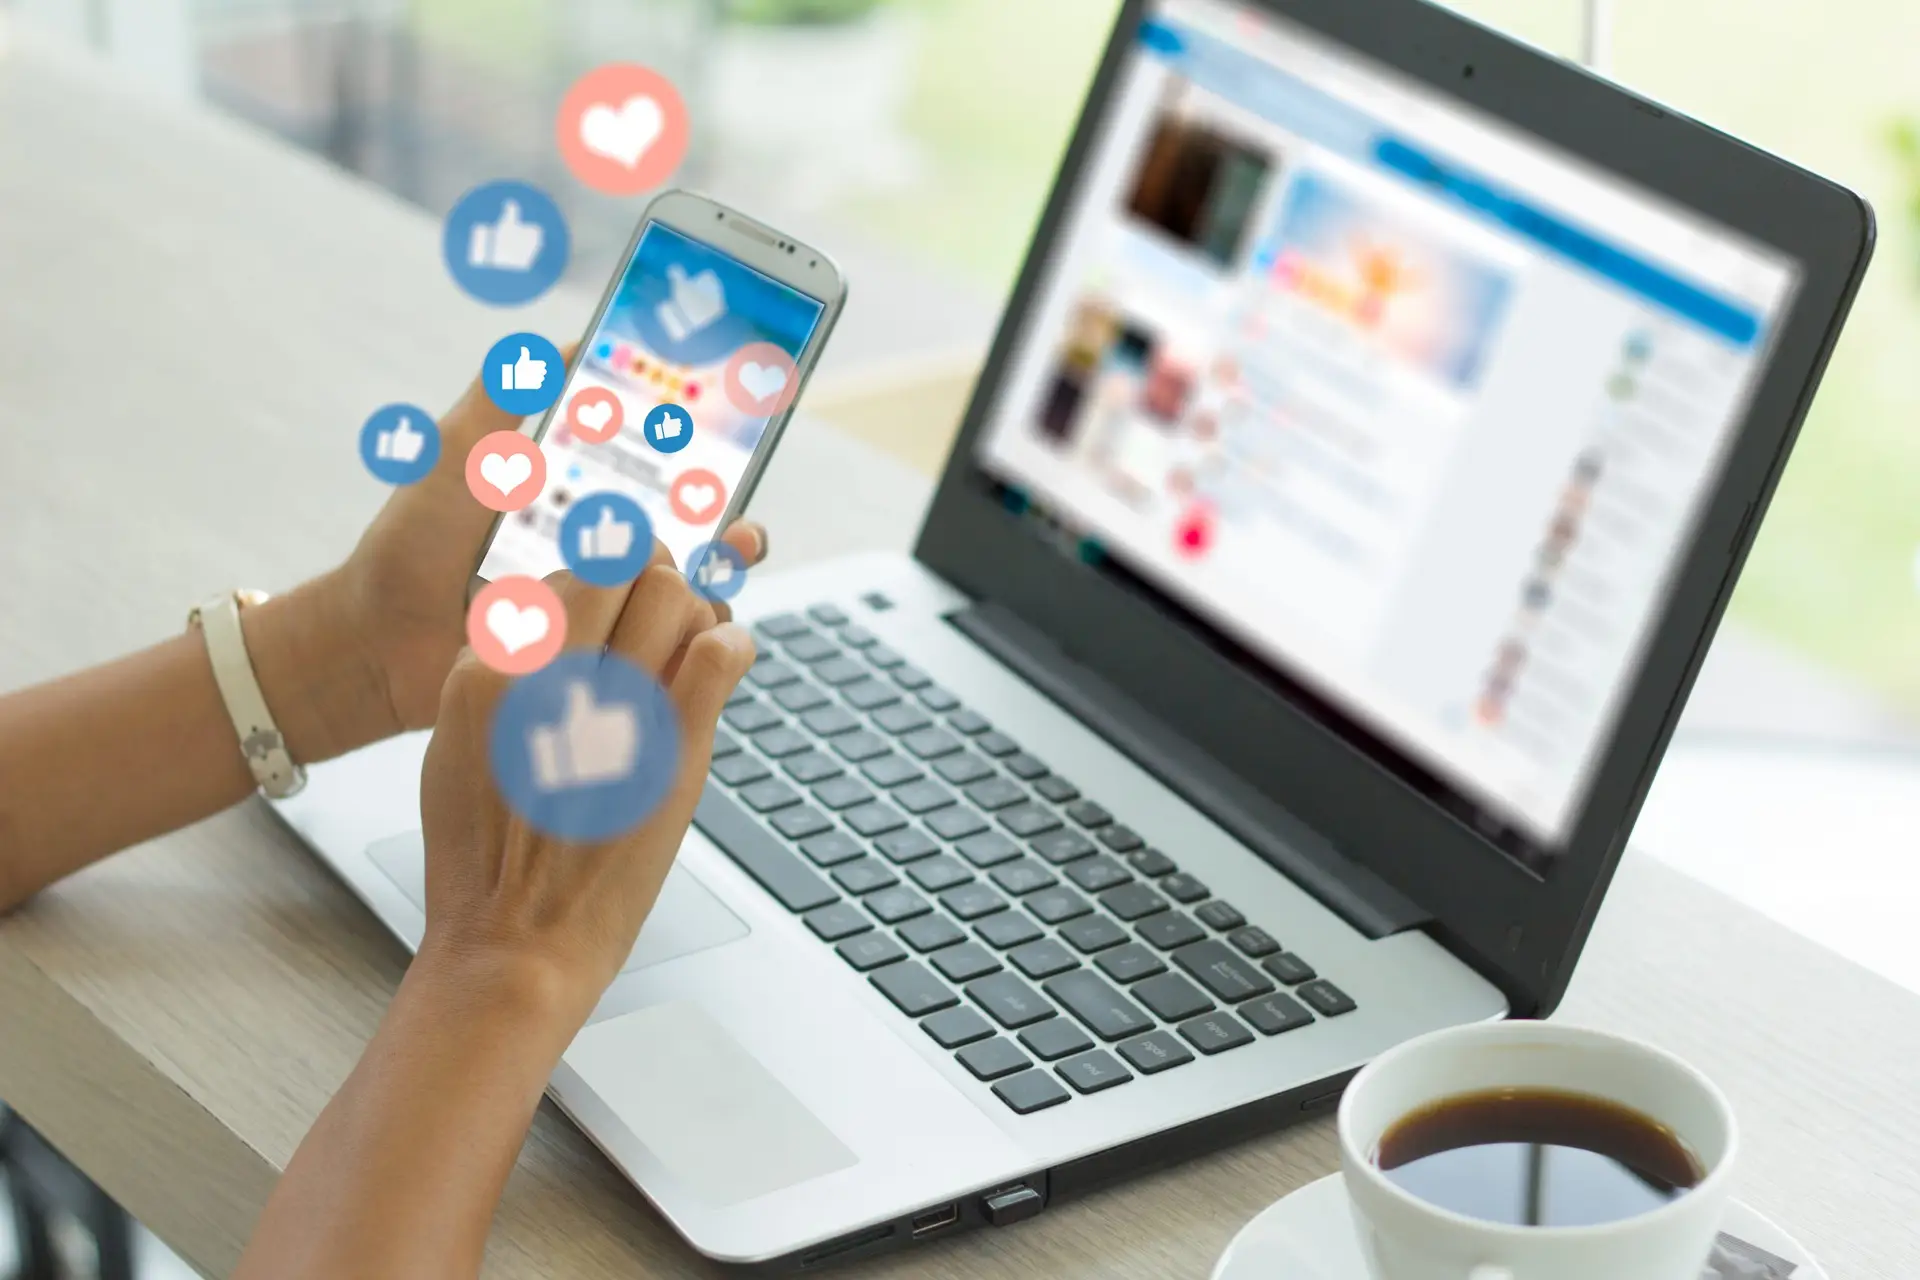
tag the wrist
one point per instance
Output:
(324, 694)
(535, 995)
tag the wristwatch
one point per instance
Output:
(260, 741)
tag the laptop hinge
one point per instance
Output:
(1350, 890)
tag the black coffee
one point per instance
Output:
(1537, 1157)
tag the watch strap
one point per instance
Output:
(260, 741)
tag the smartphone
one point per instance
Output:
(707, 332)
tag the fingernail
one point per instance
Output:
(734, 636)
(760, 540)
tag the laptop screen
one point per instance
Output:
(1408, 406)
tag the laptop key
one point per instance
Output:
(874, 819)
(781, 625)
(864, 876)
(1093, 933)
(1020, 877)
(869, 695)
(1057, 789)
(801, 821)
(831, 849)
(969, 722)
(855, 636)
(965, 962)
(972, 901)
(755, 851)
(911, 677)
(991, 1059)
(906, 844)
(956, 822)
(1222, 916)
(1152, 863)
(890, 770)
(837, 920)
(1170, 929)
(840, 672)
(1042, 959)
(1213, 1032)
(751, 717)
(1092, 1072)
(781, 741)
(1133, 901)
(810, 767)
(938, 873)
(1098, 1003)
(1097, 874)
(1230, 978)
(724, 744)
(864, 745)
(842, 793)
(996, 793)
(901, 718)
(913, 990)
(891, 906)
(1254, 941)
(868, 951)
(1063, 845)
(1027, 820)
(996, 743)
(922, 797)
(1008, 1000)
(765, 797)
(1171, 997)
(954, 1027)
(1004, 929)
(1182, 887)
(1270, 1015)
(1055, 1038)
(1025, 766)
(827, 615)
(1030, 1091)
(934, 698)
(962, 768)
(1057, 904)
(929, 932)
(1088, 814)
(811, 646)
(739, 695)
(883, 657)
(739, 770)
(1155, 1051)
(1119, 839)
(1130, 963)
(1327, 1000)
(824, 722)
(1289, 968)
(771, 673)
(931, 744)
(988, 849)
(799, 696)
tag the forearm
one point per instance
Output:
(400, 1174)
(120, 753)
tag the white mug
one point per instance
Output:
(1406, 1238)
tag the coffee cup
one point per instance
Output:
(1488, 1152)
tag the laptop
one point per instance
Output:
(1358, 474)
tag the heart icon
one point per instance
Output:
(698, 498)
(506, 473)
(622, 135)
(516, 628)
(763, 381)
(595, 416)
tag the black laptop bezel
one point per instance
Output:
(1521, 928)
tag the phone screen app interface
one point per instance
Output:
(683, 318)
(1407, 403)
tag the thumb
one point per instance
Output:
(526, 354)
(676, 273)
(606, 516)
(510, 213)
(580, 706)
(405, 428)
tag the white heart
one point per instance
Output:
(623, 135)
(697, 497)
(516, 628)
(506, 472)
(594, 416)
(763, 381)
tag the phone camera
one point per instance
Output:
(1466, 72)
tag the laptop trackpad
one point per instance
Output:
(686, 917)
(702, 1105)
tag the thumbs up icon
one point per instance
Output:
(507, 245)
(400, 444)
(693, 302)
(593, 743)
(524, 374)
(607, 539)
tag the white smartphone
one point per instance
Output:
(709, 329)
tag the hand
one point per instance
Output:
(512, 898)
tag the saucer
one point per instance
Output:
(1309, 1235)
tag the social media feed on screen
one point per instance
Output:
(695, 354)
(1410, 406)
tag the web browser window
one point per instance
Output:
(1403, 401)
(680, 315)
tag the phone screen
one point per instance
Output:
(696, 330)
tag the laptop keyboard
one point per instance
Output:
(1025, 926)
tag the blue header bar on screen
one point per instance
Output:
(1298, 107)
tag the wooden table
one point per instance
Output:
(193, 323)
